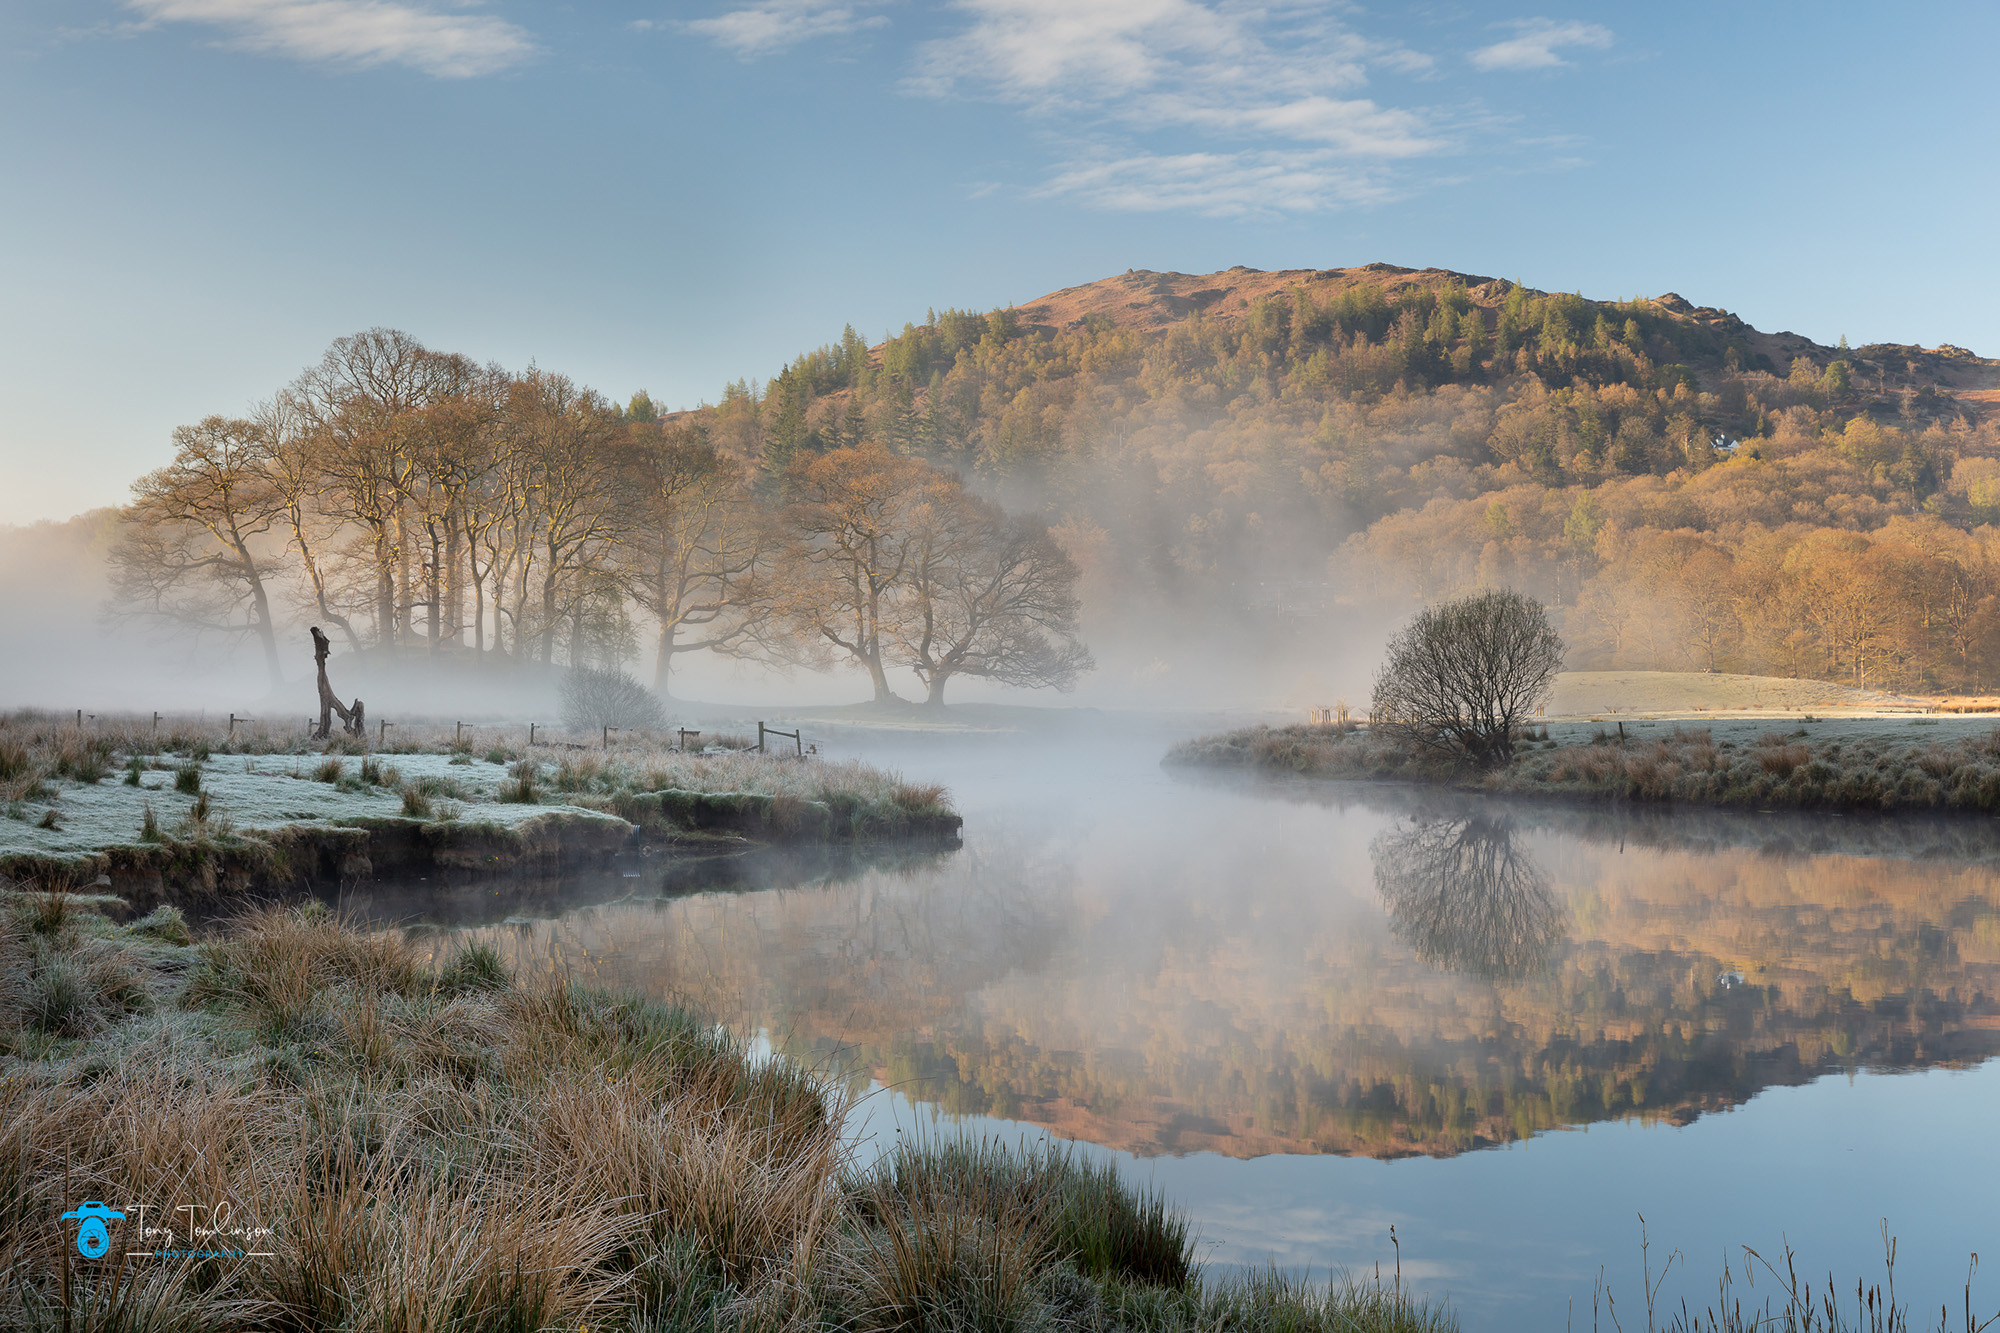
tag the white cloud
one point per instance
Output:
(355, 32)
(1535, 42)
(1279, 85)
(1215, 184)
(772, 25)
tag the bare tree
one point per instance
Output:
(1465, 674)
(187, 553)
(293, 465)
(989, 596)
(697, 554)
(851, 520)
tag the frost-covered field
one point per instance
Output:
(69, 789)
(257, 791)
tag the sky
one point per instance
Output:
(197, 196)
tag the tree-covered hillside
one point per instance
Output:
(1245, 448)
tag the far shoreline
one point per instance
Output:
(1885, 766)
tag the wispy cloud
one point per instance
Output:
(1280, 86)
(1535, 43)
(773, 25)
(1215, 184)
(355, 33)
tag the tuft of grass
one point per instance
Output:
(330, 769)
(476, 968)
(135, 770)
(416, 804)
(48, 820)
(921, 797)
(149, 825)
(164, 922)
(14, 761)
(187, 778)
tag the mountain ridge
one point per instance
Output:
(1147, 301)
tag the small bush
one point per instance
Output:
(592, 700)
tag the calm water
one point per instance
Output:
(1312, 1012)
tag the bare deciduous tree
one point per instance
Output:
(1465, 674)
(188, 553)
(697, 555)
(990, 596)
(851, 518)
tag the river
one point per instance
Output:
(1310, 1012)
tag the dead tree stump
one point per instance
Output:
(353, 720)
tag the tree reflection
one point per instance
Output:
(1466, 899)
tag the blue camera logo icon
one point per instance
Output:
(92, 1238)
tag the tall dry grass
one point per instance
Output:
(447, 1148)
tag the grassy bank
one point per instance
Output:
(192, 807)
(395, 1146)
(1843, 767)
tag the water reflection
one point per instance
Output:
(1466, 898)
(1193, 969)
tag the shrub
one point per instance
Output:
(1461, 679)
(593, 699)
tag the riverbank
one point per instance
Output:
(349, 1137)
(1846, 764)
(199, 814)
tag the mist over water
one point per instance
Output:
(1311, 1012)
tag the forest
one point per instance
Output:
(1269, 459)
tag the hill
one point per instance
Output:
(1260, 473)
(1145, 301)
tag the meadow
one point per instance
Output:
(74, 793)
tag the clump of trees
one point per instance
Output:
(1463, 677)
(423, 506)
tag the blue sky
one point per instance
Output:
(200, 194)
